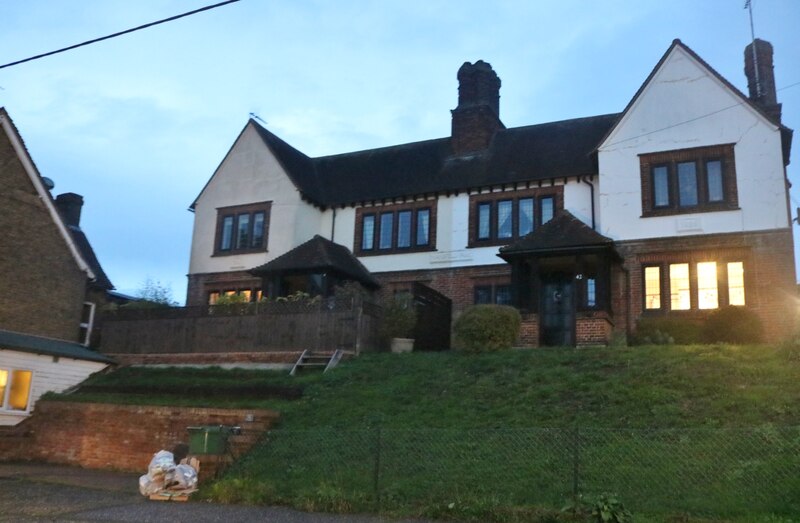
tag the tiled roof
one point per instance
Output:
(565, 232)
(49, 347)
(320, 254)
(82, 242)
(522, 154)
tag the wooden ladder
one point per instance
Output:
(310, 359)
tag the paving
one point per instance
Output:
(41, 492)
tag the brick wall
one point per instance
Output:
(593, 329)
(201, 284)
(43, 288)
(118, 437)
(768, 257)
(529, 331)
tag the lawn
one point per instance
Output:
(710, 431)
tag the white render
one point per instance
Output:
(49, 374)
(685, 106)
(250, 173)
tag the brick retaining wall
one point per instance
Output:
(121, 437)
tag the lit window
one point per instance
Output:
(213, 297)
(652, 287)
(15, 389)
(707, 293)
(736, 283)
(679, 288)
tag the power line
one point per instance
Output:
(692, 119)
(145, 26)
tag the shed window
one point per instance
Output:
(15, 389)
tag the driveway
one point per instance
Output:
(40, 492)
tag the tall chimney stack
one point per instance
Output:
(761, 77)
(477, 116)
(70, 205)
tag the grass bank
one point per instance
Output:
(703, 430)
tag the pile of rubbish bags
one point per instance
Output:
(165, 476)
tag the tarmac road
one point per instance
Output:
(39, 492)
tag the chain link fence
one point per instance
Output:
(716, 472)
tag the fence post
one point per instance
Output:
(376, 476)
(576, 462)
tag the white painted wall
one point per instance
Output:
(686, 106)
(48, 375)
(251, 174)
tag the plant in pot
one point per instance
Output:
(397, 327)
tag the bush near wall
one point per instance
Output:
(733, 325)
(661, 330)
(484, 328)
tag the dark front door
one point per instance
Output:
(557, 313)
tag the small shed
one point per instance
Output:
(32, 365)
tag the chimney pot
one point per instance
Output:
(70, 205)
(477, 117)
(760, 75)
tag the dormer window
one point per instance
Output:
(242, 229)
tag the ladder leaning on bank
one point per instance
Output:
(310, 360)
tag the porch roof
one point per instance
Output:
(563, 234)
(317, 255)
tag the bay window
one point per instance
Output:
(693, 285)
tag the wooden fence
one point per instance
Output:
(348, 324)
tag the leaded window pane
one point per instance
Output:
(243, 231)
(502, 295)
(548, 208)
(661, 186)
(687, 184)
(368, 232)
(714, 181)
(525, 216)
(226, 242)
(679, 287)
(404, 229)
(736, 283)
(387, 222)
(707, 292)
(652, 287)
(505, 219)
(423, 226)
(484, 224)
(258, 230)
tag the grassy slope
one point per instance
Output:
(640, 387)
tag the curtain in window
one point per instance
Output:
(736, 283)
(504, 219)
(525, 216)
(548, 209)
(687, 184)
(404, 229)
(707, 293)
(714, 181)
(387, 221)
(423, 226)
(679, 287)
(368, 233)
(484, 212)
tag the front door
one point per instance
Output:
(557, 313)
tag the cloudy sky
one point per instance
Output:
(137, 124)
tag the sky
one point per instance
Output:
(138, 124)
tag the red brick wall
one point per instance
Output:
(593, 329)
(770, 285)
(118, 437)
(43, 288)
(529, 331)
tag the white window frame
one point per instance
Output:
(4, 400)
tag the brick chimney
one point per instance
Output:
(69, 205)
(761, 80)
(477, 116)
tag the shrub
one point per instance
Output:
(399, 319)
(665, 330)
(483, 328)
(733, 325)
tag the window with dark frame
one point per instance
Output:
(242, 229)
(701, 179)
(501, 218)
(405, 228)
(499, 294)
(696, 285)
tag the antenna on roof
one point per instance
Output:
(748, 4)
(254, 115)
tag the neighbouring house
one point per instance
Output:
(52, 283)
(676, 206)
